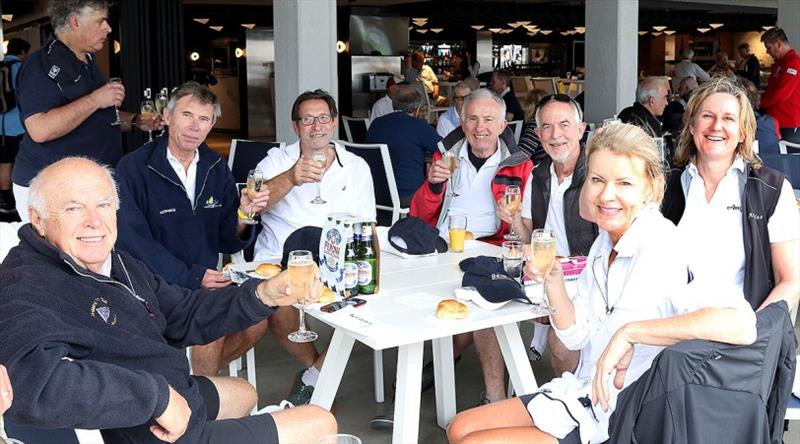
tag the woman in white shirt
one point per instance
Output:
(636, 276)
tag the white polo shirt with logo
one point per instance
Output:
(346, 186)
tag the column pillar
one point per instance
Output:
(789, 20)
(303, 60)
(611, 57)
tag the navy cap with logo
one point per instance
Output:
(411, 235)
(305, 238)
(487, 275)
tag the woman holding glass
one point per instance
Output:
(737, 216)
(635, 276)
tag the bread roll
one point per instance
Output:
(451, 309)
(268, 270)
(469, 236)
(227, 268)
(326, 296)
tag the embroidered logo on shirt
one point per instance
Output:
(755, 216)
(791, 71)
(733, 207)
(167, 210)
(212, 203)
(100, 308)
(54, 70)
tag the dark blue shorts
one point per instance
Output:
(573, 437)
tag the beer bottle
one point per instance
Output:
(367, 270)
(350, 264)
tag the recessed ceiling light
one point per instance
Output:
(248, 25)
(765, 28)
(546, 31)
(642, 32)
(669, 32)
(495, 30)
(514, 25)
(8, 17)
(477, 27)
(202, 21)
(422, 31)
(216, 28)
(657, 33)
(704, 30)
(716, 25)
(437, 30)
(659, 28)
(580, 29)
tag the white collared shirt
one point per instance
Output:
(188, 177)
(346, 186)
(381, 107)
(475, 198)
(555, 209)
(505, 91)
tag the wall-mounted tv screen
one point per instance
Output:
(371, 35)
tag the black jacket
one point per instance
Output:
(761, 193)
(638, 115)
(710, 392)
(580, 232)
(87, 351)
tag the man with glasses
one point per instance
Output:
(294, 178)
(451, 119)
(551, 201)
(409, 139)
(652, 95)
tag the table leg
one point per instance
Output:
(377, 377)
(444, 379)
(516, 358)
(332, 369)
(407, 397)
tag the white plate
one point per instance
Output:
(242, 272)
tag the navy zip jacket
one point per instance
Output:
(158, 224)
(87, 351)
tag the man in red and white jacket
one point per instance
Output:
(486, 166)
(783, 90)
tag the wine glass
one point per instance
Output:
(543, 248)
(255, 179)
(319, 156)
(512, 258)
(452, 164)
(301, 278)
(147, 113)
(116, 109)
(162, 99)
(512, 199)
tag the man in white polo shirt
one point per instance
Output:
(345, 181)
(295, 179)
(486, 167)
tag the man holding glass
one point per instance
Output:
(93, 339)
(485, 167)
(551, 200)
(65, 101)
(308, 180)
(180, 209)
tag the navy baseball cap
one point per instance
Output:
(305, 238)
(487, 276)
(411, 235)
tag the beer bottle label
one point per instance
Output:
(364, 273)
(351, 275)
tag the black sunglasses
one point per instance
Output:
(563, 98)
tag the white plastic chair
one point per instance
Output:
(355, 128)
(786, 147)
(516, 127)
(377, 157)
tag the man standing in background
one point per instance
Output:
(783, 90)
(11, 129)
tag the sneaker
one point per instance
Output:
(484, 400)
(301, 393)
(385, 421)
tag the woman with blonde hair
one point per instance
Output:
(737, 217)
(632, 292)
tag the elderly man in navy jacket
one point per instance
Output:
(180, 209)
(93, 339)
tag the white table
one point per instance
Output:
(402, 315)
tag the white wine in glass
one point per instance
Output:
(301, 279)
(319, 156)
(512, 200)
(543, 249)
(255, 180)
(452, 165)
(147, 113)
(116, 109)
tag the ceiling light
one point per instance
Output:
(530, 28)
(565, 33)
(495, 30)
(657, 33)
(659, 28)
(420, 21)
(533, 33)
(248, 25)
(514, 25)
(545, 31)
(422, 31)
(580, 29)
(704, 30)
(716, 25)
(410, 28)
(8, 17)
(669, 32)
(477, 27)
(239, 52)
(194, 56)
(117, 47)
(202, 21)
(642, 32)
(524, 22)
(507, 31)
(437, 30)
(765, 28)
(216, 28)
(341, 46)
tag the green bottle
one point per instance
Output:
(350, 265)
(367, 262)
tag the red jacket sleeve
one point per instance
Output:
(426, 204)
(783, 87)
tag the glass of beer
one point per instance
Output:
(319, 156)
(512, 259)
(301, 279)
(543, 249)
(255, 180)
(512, 200)
(451, 160)
(458, 231)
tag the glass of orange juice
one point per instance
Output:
(458, 230)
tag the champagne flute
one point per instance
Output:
(543, 248)
(147, 113)
(116, 109)
(512, 199)
(452, 164)
(162, 99)
(319, 156)
(301, 279)
(255, 179)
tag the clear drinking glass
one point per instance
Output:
(301, 279)
(512, 259)
(147, 113)
(457, 225)
(162, 99)
(543, 249)
(452, 164)
(512, 200)
(255, 179)
(319, 156)
(116, 109)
